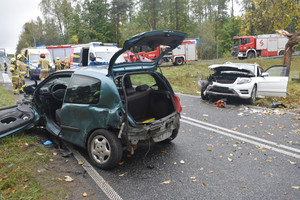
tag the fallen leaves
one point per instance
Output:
(203, 185)
(182, 162)
(295, 187)
(208, 149)
(166, 182)
(293, 163)
(80, 162)
(230, 160)
(84, 194)
(68, 179)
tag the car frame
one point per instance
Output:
(104, 109)
(245, 81)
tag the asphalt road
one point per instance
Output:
(237, 152)
(232, 153)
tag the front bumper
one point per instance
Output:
(242, 55)
(242, 91)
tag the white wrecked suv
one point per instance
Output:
(104, 109)
(245, 81)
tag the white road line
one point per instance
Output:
(6, 78)
(101, 183)
(243, 139)
(243, 135)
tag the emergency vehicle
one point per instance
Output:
(32, 57)
(61, 51)
(92, 54)
(185, 52)
(260, 45)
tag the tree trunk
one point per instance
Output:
(290, 45)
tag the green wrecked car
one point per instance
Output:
(104, 109)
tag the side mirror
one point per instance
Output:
(264, 74)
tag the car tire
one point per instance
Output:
(252, 99)
(30, 76)
(174, 132)
(172, 137)
(104, 149)
(251, 55)
(179, 61)
(203, 88)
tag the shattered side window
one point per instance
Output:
(83, 90)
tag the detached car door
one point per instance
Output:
(16, 118)
(273, 82)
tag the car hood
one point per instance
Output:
(151, 39)
(234, 68)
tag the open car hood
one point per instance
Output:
(234, 68)
(152, 40)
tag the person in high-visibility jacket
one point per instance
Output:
(44, 64)
(22, 67)
(58, 64)
(15, 76)
(67, 63)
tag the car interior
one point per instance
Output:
(146, 100)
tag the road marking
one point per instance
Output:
(243, 137)
(6, 78)
(101, 183)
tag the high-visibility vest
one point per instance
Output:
(44, 64)
(15, 72)
(22, 67)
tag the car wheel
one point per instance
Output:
(281, 53)
(173, 136)
(251, 55)
(252, 99)
(179, 61)
(104, 149)
(203, 88)
(30, 76)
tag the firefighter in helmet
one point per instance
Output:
(22, 67)
(15, 76)
(67, 63)
(58, 64)
(44, 64)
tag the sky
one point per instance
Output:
(13, 15)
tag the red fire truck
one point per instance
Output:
(260, 45)
(185, 52)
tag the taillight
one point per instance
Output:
(177, 103)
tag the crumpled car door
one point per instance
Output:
(16, 118)
(273, 81)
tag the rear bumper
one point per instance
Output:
(158, 131)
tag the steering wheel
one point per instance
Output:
(58, 91)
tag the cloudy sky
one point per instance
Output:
(13, 15)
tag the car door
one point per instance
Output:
(77, 113)
(273, 81)
(17, 118)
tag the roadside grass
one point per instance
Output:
(184, 79)
(20, 159)
(6, 98)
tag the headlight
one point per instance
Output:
(244, 80)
